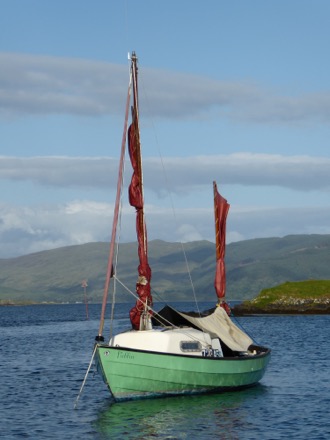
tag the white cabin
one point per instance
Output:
(187, 341)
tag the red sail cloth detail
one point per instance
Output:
(220, 279)
(134, 192)
(136, 200)
(226, 308)
(221, 207)
(142, 288)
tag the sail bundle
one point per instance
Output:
(221, 208)
(135, 193)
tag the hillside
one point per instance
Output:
(311, 296)
(252, 265)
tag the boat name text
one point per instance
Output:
(124, 355)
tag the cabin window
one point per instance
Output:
(190, 346)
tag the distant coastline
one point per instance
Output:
(6, 303)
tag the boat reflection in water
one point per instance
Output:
(205, 416)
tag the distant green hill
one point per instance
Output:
(312, 296)
(252, 265)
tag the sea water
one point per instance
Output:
(45, 351)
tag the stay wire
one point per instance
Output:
(118, 229)
(171, 200)
(163, 319)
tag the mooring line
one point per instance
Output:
(85, 378)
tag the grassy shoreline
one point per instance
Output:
(300, 297)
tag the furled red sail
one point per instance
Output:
(221, 208)
(136, 200)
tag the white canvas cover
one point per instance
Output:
(219, 325)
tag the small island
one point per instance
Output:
(301, 297)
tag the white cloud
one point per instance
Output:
(31, 84)
(184, 175)
(60, 171)
(39, 85)
(30, 229)
(188, 232)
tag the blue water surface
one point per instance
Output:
(45, 351)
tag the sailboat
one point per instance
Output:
(171, 352)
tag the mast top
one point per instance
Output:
(134, 58)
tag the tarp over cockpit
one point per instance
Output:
(216, 322)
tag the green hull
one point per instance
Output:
(132, 374)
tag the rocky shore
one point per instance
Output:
(294, 307)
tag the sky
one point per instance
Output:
(237, 92)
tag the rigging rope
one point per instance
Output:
(171, 199)
(163, 318)
(116, 213)
(85, 378)
(115, 269)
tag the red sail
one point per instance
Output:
(135, 188)
(221, 208)
(136, 200)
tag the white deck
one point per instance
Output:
(186, 341)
